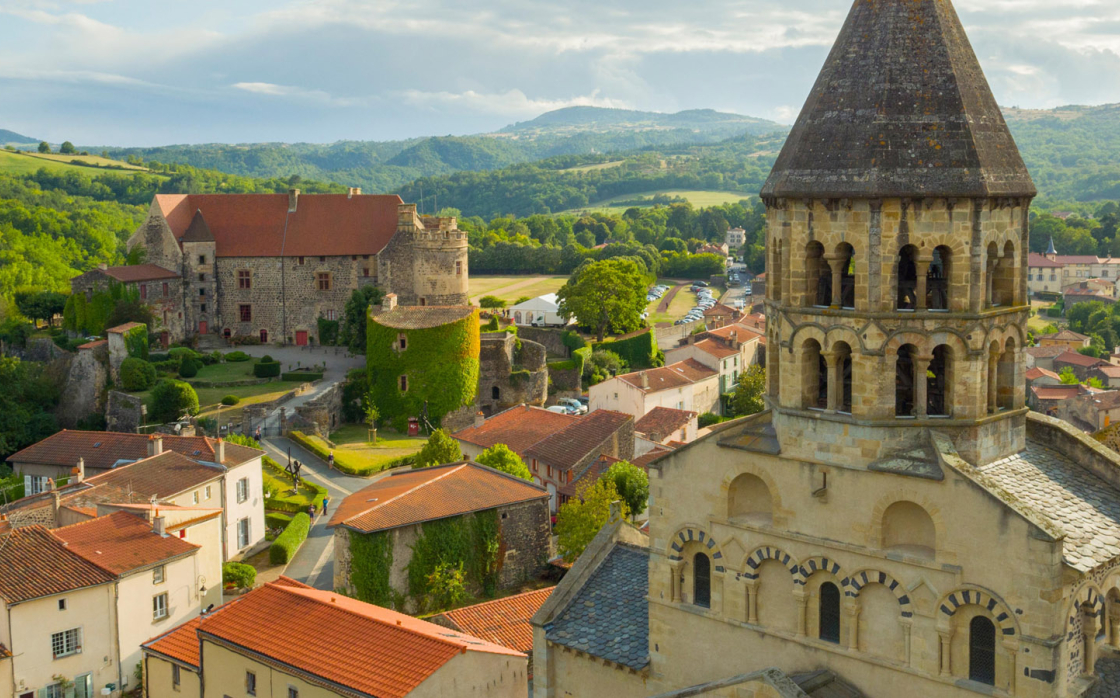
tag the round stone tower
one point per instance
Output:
(896, 249)
(426, 261)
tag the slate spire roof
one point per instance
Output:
(901, 108)
(198, 231)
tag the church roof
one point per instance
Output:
(198, 231)
(901, 108)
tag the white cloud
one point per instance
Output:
(512, 103)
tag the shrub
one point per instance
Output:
(239, 574)
(492, 326)
(137, 374)
(237, 356)
(168, 366)
(267, 359)
(286, 545)
(230, 400)
(302, 376)
(214, 357)
(172, 399)
(154, 358)
(181, 353)
(275, 519)
(188, 368)
(639, 351)
(491, 302)
(708, 419)
(266, 369)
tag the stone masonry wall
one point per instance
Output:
(124, 413)
(84, 386)
(164, 297)
(426, 261)
(552, 340)
(526, 534)
(510, 377)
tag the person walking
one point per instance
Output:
(258, 436)
(325, 500)
(330, 460)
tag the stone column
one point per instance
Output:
(802, 604)
(716, 592)
(946, 651)
(1089, 637)
(923, 271)
(1013, 663)
(1114, 624)
(993, 382)
(907, 626)
(752, 601)
(675, 581)
(852, 611)
(830, 359)
(921, 385)
(836, 263)
(988, 278)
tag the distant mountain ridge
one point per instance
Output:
(596, 118)
(13, 137)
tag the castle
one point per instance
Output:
(269, 266)
(896, 523)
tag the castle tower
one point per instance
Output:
(896, 249)
(200, 277)
(426, 261)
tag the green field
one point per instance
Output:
(209, 399)
(600, 166)
(351, 444)
(684, 301)
(510, 288)
(698, 199)
(26, 163)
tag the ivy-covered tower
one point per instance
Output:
(897, 248)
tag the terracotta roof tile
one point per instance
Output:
(573, 443)
(122, 542)
(94, 343)
(715, 348)
(259, 225)
(427, 494)
(1036, 373)
(1036, 260)
(588, 476)
(672, 376)
(518, 427)
(1055, 392)
(121, 329)
(648, 457)
(1076, 359)
(1046, 352)
(663, 421)
(368, 649)
(103, 450)
(1077, 259)
(736, 330)
(721, 310)
(139, 272)
(504, 622)
(1108, 370)
(35, 563)
(1064, 335)
(419, 317)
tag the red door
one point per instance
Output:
(301, 338)
(164, 339)
(264, 336)
(202, 327)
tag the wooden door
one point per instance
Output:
(301, 338)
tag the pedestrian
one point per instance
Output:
(325, 500)
(311, 510)
(330, 460)
(258, 434)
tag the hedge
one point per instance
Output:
(573, 340)
(230, 400)
(237, 356)
(342, 463)
(181, 353)
(301, 376)
(266, 369)
(276, 519)
(137, 374)
(639, 351)
(293, 504)
(287, 544)
(239, 574)
(189, 368)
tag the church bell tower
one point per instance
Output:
(897, 250)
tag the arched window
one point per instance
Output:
(1003, 278)
(1005, 377)
(939, 382)
(701, 580)
(495, 393)
(908, 528)
(818, 276)
(847, 256)
(843, 354)
(907, 278)
(829, 612)
(814, 376)
(904, 381)
(937, 279)
(982, 650)
(517, 316)
(749, 500)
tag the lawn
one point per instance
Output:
(229, 371)
(684, 301)
(698, 198)
(510, 288)
(350, 445)
(209, 399)
(23, 163)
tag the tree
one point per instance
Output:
(632, 485)
(747, 398)
(439, 449)
(42, 305)
(1095, 383)
(581, 519)
(26, 400)
(67, 148)
(137, 374)
(1068, 377)
(131, 310)
(605, 295)
(500, 457)
(171, 399)
(491, 302)
(352, 329)
(44, 147)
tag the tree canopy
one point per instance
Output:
(580, 519)
(439, 450)
(632, 485)
(607, 295)
(749, 392)
(500, 457)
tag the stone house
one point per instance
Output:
(720, 315)
(558, 459)
(1108, 374)
(1080, 364)
(1043, 357)
(1047, 398)
(519, 428)
(1091, 411)
(683, 385)
(336, 646)
(511, 371)
(1068, 339)
(270, 266)
(1040, 376)
(1093, 290)
(399, 505)
(503, 621)
(664, 424)
(1044, 275)
(928, 536)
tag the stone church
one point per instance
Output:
(270, 266)
(896, 523)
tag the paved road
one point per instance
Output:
(314, 563)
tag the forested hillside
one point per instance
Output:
(1073, 152)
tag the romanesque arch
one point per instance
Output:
(768, 552)
(752, 499)
(882, 612)
(1002, 615)
(696, 534)
(875, 528)
(860, 579)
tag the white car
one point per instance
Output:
(559, 409)
(573, 405)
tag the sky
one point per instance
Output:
(157, 72)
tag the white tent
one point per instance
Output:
(541, 310)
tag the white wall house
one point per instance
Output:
(541, 310)
(685, 385)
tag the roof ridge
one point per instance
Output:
(406, 492)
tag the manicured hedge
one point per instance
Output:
(239, 574)
(287, 544)
(276, 519)
(266, 369)
(189, 368)
(639, 351)
(181, 353)
(342, 463)
(301, 376)
(230, 400)
(237, 356)
(137, 374)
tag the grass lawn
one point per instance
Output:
(684, 301)
(231, 371)
(1039, 320)
(209, 399)
(510, 288)
(17, 163)
(698, 198)
(350, 442)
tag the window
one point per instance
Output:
(244, 279)
(194, 498)
(829, 613)
(201, 292)
(243, 533)
(202, 308)
(904, 382)
(242, 490)
(34, 484)
(293, 692)
(53, 691)
(202, 259)
(365, 271)
(246, 313)
(402, 342)
(701, 580)
(62, 604)
(331, 314)
(322, 259)
(982, 650)
(324, 280)
(404, 384)
(301, 261)
(143, 291)
(166, 290)
(209, 491)
(176, 680)
(250, 683)
(458, 268)
(66, 643)
(202, 277)
(159, 606)
(158, 575)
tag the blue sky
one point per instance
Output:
(151, 72)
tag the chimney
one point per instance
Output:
(220, 451)
(293, 199)
(644, 379)
(159, 526)
(354, 191)
(56, 506)
(389, 302)
(479, 419)
(102, 266)
(155, 445)
(80, 471)
(615, 511)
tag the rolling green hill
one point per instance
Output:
(14, 138)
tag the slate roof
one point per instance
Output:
(663, 421)
(672, 376)
(103, 450)
(421, 317)
(567, 447)
(901, 108)
(609, 617)
(122, 542)
(504, 621)
(427, 494)
(518, 427)
(35, 563)
(139, 272)
(1078, 503)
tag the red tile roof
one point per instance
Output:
(504, 622)
(1036, 260)
(259, 225)
(736, 330)
(121, 329)
(518, 427)
(1077, 259)
(675, 375)
(721, 310)
(102, 450)
(588, 476)
(94, 343)
(35, 563)
(139, 272)
(663, 421)
(648, 457)
(421, 317)
(362, 647)
(122, 542)
(1108, 370)
(1046, 352)
(1064, 335)
(575, 442)
(427, 494)
(1055, 392)
(715, 348)
(1036, 373)
(1077, 359)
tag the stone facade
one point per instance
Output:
(512, 371)
(324, 412)
(163, 296)
(124, 413)
(85, 377)
(426, 261)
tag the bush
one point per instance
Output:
(1053, 311)
(491, 302)
(639, 351)
(214, 357)
(492, 326)
(181, 353)
(302, 376)
(156, 358)
(237, 356)
(267, 359)
(168, 366)
(239, 574)
(137, 374)
(708, 419)
(172, 399)
(286, 545)
(188, 368)
(266, 369)
(230, 400)
(275, 519)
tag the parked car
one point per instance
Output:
(572, 404)
(703, 284)
(560, 409)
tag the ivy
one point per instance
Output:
(472, 541)
(328, 332)
(371, 561)
(136, 342)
